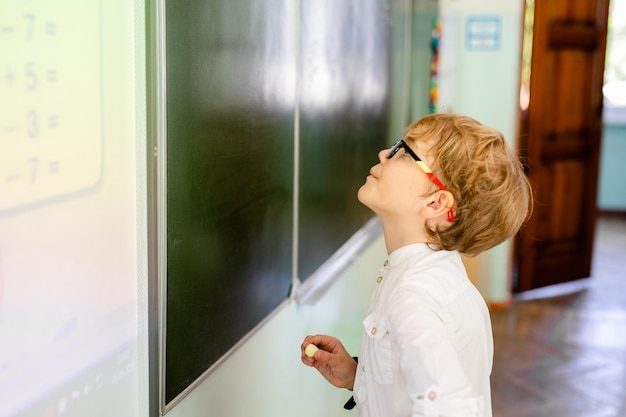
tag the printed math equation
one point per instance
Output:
(50, 100)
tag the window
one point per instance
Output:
(615, 66)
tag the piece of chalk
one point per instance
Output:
(310, 350)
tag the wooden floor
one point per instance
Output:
(561, 351)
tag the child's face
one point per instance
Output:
(396, 186)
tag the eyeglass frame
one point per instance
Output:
(425, 168)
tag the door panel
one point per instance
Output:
(560, 137)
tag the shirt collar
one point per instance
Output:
(404, 253)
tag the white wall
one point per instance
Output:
(479, 72)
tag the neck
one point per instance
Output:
(402, 233)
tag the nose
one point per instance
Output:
(382, 155)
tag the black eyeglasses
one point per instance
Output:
(429, 172)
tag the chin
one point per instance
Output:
(361, 195)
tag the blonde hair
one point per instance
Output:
(493, 197)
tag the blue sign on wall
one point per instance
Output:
(483, 33)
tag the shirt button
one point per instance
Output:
(373, 331)
(379, 279)
(432, 395)
(386, 263)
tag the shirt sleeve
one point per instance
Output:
(435, 380)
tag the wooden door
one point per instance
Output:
(560, 137)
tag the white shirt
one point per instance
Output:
(427, 348)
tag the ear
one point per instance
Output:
(438, 205)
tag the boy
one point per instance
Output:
(427, 348)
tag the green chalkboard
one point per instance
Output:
(247, 82)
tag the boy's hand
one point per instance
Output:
(331, 360)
